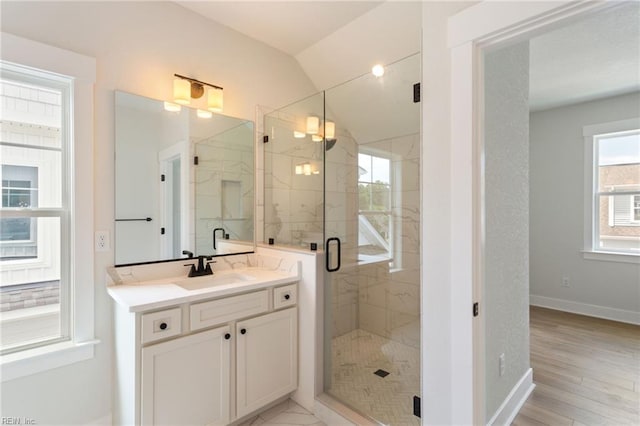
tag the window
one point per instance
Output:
(374, 206)
(34, 257)
(46, 217)
(616, 192)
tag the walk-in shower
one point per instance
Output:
(342, 171)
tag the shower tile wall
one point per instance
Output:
(221, 160)
(368, 294)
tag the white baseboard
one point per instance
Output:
(614, 314)
(510, 407)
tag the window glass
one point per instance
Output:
(374, 196)
(617, 174)
(33, 273)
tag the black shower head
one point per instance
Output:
(329, 143)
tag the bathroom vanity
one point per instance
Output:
(206, 350)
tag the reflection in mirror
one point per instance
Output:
(179, 177)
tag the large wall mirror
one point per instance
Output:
(184, 182)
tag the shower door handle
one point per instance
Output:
(328, 254)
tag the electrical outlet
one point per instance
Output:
(102, 241)
(565, 282)
(502, 364)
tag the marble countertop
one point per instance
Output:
(160, 293)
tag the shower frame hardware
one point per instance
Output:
(145, 219)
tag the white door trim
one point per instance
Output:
(487, 25)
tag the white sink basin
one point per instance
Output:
(214, 280)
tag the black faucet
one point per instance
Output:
(214, 236)
(201, 269)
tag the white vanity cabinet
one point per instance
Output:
(267, 359)
(185, 381)
(206, 362)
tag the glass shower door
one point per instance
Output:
(371, 222)
(342, 172)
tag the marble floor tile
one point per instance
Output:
(287, 413)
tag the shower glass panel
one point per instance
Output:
(293, 161)
(342, 170)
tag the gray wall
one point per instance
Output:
(558, 203)
(507, 220)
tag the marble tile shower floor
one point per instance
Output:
(356, 356)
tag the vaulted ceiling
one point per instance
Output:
(291, 26)
(334, 41)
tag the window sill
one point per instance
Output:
(37, 360)
(609, 256)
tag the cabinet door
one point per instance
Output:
(267, 357)
(186, 381)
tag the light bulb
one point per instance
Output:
(329, 129)
(313, 125)
(214, 99)
(377, 70)
(181, 91)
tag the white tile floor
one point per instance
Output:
(287, 413)
(356, 356)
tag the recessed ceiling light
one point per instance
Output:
(377, 70)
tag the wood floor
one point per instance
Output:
(586, 371)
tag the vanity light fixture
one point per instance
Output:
(187, 88)
(181, 91)
(329, 129)
(171, 107)
(313, 125)
(215, 99)
(316, 128)
(306, 169)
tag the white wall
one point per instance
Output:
(385, 34)
(437, 319)
(506, 274)
(557, 206)
(138, 47)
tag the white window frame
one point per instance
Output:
(81, 342)
(395, 200)
(591, 208)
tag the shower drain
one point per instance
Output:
(381, 373)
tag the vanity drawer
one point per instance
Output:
(160, 325)
(227, 309)
(284, 296)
